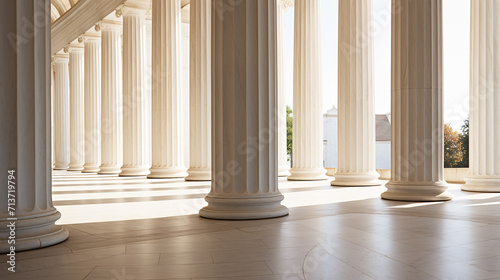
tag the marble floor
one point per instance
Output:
(137, 228)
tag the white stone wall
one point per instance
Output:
(330, 143)
(330, 146)
(383, 154)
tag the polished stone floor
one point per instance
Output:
(136, 228)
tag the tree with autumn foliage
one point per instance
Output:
(453, 152)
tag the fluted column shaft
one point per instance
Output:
(484, 114)
(25, 140)
(77, 118)
(281, 88)
(92, 104)
(199, 91)
(135, 109)
(111, 101)
(356, 114)
(307, 100)
(61, 112)
(244, 166)
(417, 103)
(168, 160)
(52, 114)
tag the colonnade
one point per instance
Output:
(417, 134)
(236, 101)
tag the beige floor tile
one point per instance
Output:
(263, 254)
(321, 265)
(459, 271)
(286, 267)
(172, 246)
(53, 273)
(381, 267)
(124, 259)
(196, 257)
(183, 271)
(52, 261)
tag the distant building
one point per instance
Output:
(382, 140)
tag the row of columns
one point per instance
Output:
(417, 100)
(411, 163)
(243, 91)
(116, 120)
(106, 150)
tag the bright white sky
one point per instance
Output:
(456, 20)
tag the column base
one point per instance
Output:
(75, 167)
(244, 207)
(307, 174)
(109, 169)
(199, 175)
(167, 172)
(478, 184)
(90, 168)
(134, 171)
(60, 166)
(353, 180)
(283, 171)
(33, 232)
(424, 192)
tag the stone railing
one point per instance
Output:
(451, 175)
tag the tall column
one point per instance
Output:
(168, 160)
(148, 83)
(77, 117)
(25, 141)
(307, 100)
(417, 103)
(356, 117)
(111, 100)
(199, 91)
(52, 113)
(135, 110)
(92, 104)
(484, 123)
(244, 172)
(61, 112)
(281, 86)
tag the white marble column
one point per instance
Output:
(417, 103)
(61, 112)
(281, 88)
(111, 99)
(148, 83)
(200, 91)
(25, 141)
(135, 109)
(484, 122)
(168, 160)
(92, 103)
(356, 113)
(244, 169)
(52, 113)
(307, 149)
(76, 100)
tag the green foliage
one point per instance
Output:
(464, 141)
(289, 126)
